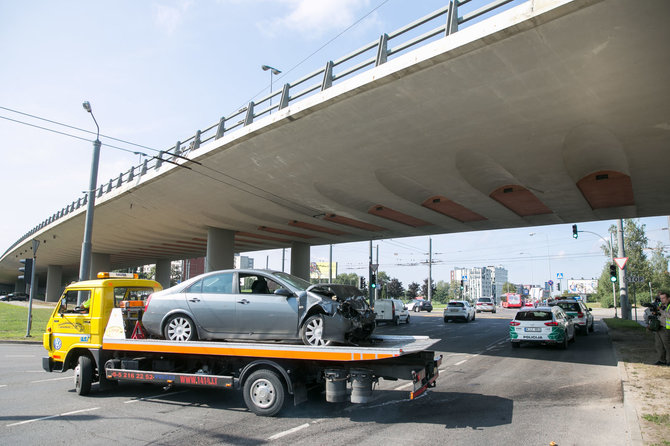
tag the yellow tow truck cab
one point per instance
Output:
(77, 325)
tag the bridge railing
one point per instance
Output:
(437, 24)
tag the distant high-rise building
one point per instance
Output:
(480, 281)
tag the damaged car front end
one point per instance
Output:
(347, 319)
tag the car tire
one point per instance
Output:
(407, 320)
(83, 375)
(446, 320)
(591, 328)
(180, 328)
(474, 316)
(429, 310)
(312, 330)
(477, 311)
(585, 330)
(264, 393)
(574, 336)
(494, 311)
(564, 345)
(467, 319)
(396, 321)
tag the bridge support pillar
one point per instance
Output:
(163, 269)
(99, 262)
(220, 249)
(300, 260)
(54, 283)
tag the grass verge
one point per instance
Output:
(14, 321)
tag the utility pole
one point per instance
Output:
(430, 269)
(623, 288)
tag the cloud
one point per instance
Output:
(314, 18)
(168, 18)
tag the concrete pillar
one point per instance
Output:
(220, 249)
(54, 283)
(163, 268)
(100, 262)
(300, 260)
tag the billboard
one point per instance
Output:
(582, 286)
(319, 270)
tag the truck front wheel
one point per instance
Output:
(83, 375)
(264, 393)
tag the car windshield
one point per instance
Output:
(533, 316)
(456, 304)
(484, 300)
(296, 282)
(569, 306)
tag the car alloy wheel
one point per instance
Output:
(180, 328)
(312, 331)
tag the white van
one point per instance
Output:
(391, 310)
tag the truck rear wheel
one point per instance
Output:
(264, 393)
(83, 375)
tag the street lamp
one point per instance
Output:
(85, 263)
(273, 71)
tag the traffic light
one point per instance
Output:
(558, 286)
(574, 231)
(26, 270)
(461, 284)
(613, 276)
(362, 283)
(373, 281)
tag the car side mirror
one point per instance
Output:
(284, 292)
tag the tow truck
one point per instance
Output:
(104, 343)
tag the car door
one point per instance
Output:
(73, 323)
(212, 303)
(263, 313)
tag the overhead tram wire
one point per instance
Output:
(285, 73)
(311, 211)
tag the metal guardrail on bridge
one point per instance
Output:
(373, 54)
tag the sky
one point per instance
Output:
(156, 71)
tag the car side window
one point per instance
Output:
(218, 284)
(254, 284)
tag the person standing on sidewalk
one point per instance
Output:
(662, 336)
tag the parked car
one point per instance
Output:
(485, 304)
(459, 309)
(14, 296)
(258, 305)
(583, 318)
(391, 310)
(417, 305)
(545, 325)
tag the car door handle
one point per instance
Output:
(243, 302)
(194, 299)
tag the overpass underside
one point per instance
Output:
(551, 112)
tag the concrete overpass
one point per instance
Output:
(555, 111)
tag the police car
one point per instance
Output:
(543, 325)
(579, 311)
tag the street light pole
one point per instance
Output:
(612, 260)
(85, 263)
(273, 71)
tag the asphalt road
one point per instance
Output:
(488, 393)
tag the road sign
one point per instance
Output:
(551, 282)
(621, 261)
(464, 277)
(374, 266)
(635, 279)
(559, 275)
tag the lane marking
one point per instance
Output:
(53, 416)
(154, 397)
(3, 385)
(461, 362)
(51, 379)
(288, 432)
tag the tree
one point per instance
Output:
(424, 288)
(394, 288)
(509, 288)
(442, 289)
(347, 279)
(412, 290)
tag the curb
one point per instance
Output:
(630, 413)
(18, 341)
